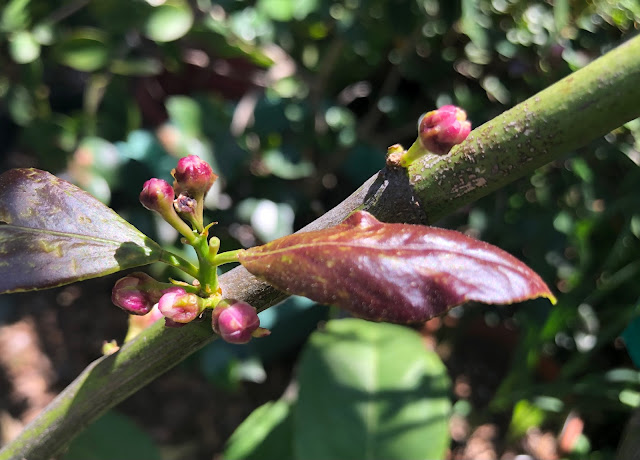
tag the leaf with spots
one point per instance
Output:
(52, 233)
(397, 273)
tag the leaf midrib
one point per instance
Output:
(63, 234)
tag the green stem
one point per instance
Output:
(414, 152)
(178, 262)
(227, 257)
(208, 272)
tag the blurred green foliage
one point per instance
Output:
(294, 103)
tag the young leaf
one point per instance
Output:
(54, 234)
(393, 272)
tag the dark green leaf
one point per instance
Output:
(113, 436)
(393, 272)
(631, 336)
(86, 50)
(56, 234)
(370, 391)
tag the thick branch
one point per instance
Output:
(569, 114)
(581, 107)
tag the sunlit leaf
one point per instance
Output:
(265, 433)
(55, 233)
(15, 15)
(23, 47)
(393, 272)
(169, 21)
(85, 50)
(370, 391)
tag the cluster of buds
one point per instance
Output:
(181, 205)
(185, 200)
(139, 294)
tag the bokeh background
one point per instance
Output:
(294, 103)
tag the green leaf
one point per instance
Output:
(23, 47)
(56, 234)
(85, 50)
(370, 391)
(169, 21)
(15, 15)
(265, 434)
(281, 166)
(524, 417)
(278, 10)
(631, 337)
(186, 114)
(139, 67)
(113, 436)
(392, 272)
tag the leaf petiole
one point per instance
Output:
(178, 262)
(227, 257)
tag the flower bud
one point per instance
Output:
(136, 293)
(180, 306)
(236, 321)
(185, 204)
(193, 176)
(187, 207)
(157, 195)
(441, 129)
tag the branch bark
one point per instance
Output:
(569, 114)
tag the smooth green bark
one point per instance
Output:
(581, 107)
(567, 115)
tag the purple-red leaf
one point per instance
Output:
(393, 272)
(54, 233)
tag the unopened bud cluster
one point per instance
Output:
(181, 205)
(138, 293)
(183, 202)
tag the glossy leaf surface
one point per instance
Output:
(266, 433)
(393, 272)
(53, 233)
(370, 391)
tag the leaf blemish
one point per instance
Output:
(49, 248)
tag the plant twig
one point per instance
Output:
(569, 114)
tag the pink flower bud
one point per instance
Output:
(136, 293)
(236, 322)
(193, 176)
(441, 129)
(180, 306)
(157, 195)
